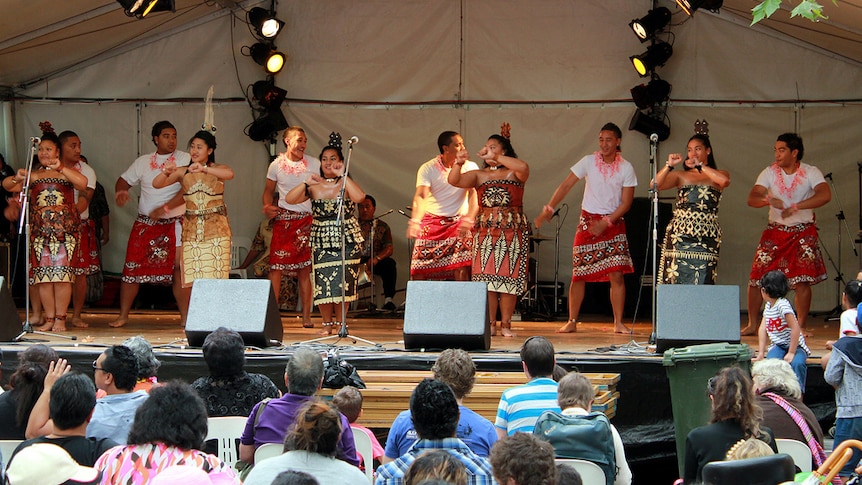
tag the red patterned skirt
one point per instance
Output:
(594, 258)
(791, 249)
(438, 251)
(87, 259)
(151, 253)
(290, 249)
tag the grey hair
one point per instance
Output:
(775, 375)
(148, 364)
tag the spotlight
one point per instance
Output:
(648, 125)
(646, 96)
(268, 95)
(142, 8)
(654, 21)
(264, 22)
(266, 55)
(689, 6)
(268, 123)
(655, 55)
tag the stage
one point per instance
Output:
(643, 413)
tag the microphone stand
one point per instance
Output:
(835, 313)
(653, 149)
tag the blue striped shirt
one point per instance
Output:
(520, 407)
(478, 468)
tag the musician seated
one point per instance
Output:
(377, 249)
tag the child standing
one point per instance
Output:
(850, 300)
(780, 327)
(844, 372)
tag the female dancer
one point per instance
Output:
(53, 229)
(690, 252)
(206, 231)
(500, 242)
(323, 190)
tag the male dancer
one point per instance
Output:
(792, 190)
(291, 228)
(443, 215)
(153, 240)
(601, 249)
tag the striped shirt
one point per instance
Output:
(521, 406)
(478, 468)
(777, 329)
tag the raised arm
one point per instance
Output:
(667, 177)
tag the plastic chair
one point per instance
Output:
(750, 471)
(590, 472)
(239, 248)
(363, 446)
(267, 450)
(227, 430)
(7, 447)
(799, 451)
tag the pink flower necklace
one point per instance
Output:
(608, 169)
(290, 167)
(783, 189)
(155, 166)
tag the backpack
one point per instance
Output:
(581, 437)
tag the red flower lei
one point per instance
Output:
(778, 181)
(608, 169)
(155, 166)
(290, 167)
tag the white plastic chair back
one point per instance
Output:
(7, 447)
(799, 451)
(591, 474)
(226, 429)
(363, 446)
(239, 248)
(267, 450)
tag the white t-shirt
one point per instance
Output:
(144, 170)
(445, 200)
(603, 193)
(87, 171)
(809, 177)
(848, 323)
(287, 174)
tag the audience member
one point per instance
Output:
(229, 390)
(456, 368)
(115, 371)
(567, 475)
(844, 372)
(188, 475)
(523, 459)
(436, 465)
(348, 401)
(303, 377)
(293, 477)
(521, 406)
(25, 387)
(750, 448)
(435, 413)
(47, 464)
(850, 300)
(559, 372)
(578, 433)
(311, 446)
(169, 429)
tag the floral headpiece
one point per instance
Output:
(701, 127)
(335, 140)
(506, 130)
(46, 127)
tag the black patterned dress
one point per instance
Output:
(326, 250)
(692, 239)
(500, 239)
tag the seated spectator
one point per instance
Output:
(310, 447)
(348, 401)
(25, 387)
(169, 429)
(148, 364)
(434, 409)
(520, 406)
(47, 464)
(577, 433)
(456, 368)
(293, 477)
(523, 459)
(750, 448)
(436, 465)
(116, 373)
(68, 401)
(229, 390)
(188, 475)
(567, 475)
(303, 377)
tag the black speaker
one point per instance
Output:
(446, 314)
(247, 306)
(10, 322)
(696, 314)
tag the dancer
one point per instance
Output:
(291, 228)
(501, 243)
(53, 228)
(151, 252)
(601, 249)
(206, 231)
(442, 215)
(690, 251)
(326, 234)
(791, 189)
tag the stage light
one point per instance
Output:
(267, 123)
(266, 55)
(689, 6)
(267, 94)
(264, 22)
(655, 55)
(654, 21)
(648, 95)
(142, 8)
(649, 125)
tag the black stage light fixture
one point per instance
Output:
(689, 6)
(267, 94)
(655, 55)
(648, 95)
(648, 125)
(264, 22)
(266, 124)
(142, 8)
(267, 56)
(654, 21)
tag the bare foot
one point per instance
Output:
(507, 332)
(119, 322)
(748, 330)
(570, 327)
(59, 323)
(326, 330)
(77, 322)
(493, 330)
(308, 324)
(620, 328)
(47, 326)
(807, 333)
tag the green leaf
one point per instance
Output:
(809, 9)
(764, 9)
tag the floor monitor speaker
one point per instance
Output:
(10, 322)
(696, 314)
(446, 314)
(247, 306)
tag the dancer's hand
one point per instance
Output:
(169, 167)
(313, 179)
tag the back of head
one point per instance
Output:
(48, 464)
(148, 364)
(853, 292)
(775, 284)
(304, 372)
(436, 465)
(348, 401)
(294, 477)
(28, 380)
(748, 448)
(538, 355)
(525, 459)
(575, 390)
(434, 410)
(456, 368)
(122, 364)
(174, 414)
(733, 400)
(567, 475)
(73, 398)
(775, 375)
(224, 352)
(316, 429)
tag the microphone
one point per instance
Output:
(35, 140)
(828, 176)
(654, 138)
(390, 211)
(556, 213)
(400, 211)
(353, 139)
